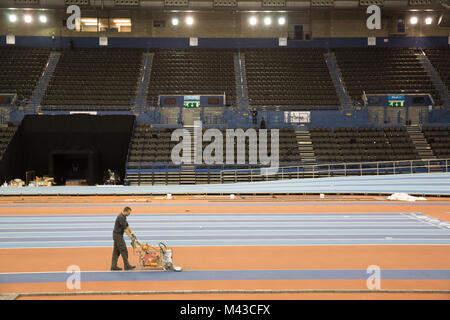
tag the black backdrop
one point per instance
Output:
(97, 143)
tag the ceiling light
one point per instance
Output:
(267, 21)
(175, 21)
(28, 18)
(189, 20)
(281, 20)
(413, 20)
(43, 19)
(89, 20)
(428, 20)
(12, 18)
(253, 21)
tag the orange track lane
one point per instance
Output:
(441, 212)
(238, 258)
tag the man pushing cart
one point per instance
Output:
(150, 258)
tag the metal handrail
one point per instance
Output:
(326, 170)
(339, 169)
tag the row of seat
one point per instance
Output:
(113, 72)
(290, 75)
(21, 68)
(440, 58)
(377, 70)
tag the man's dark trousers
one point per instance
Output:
(120, 248)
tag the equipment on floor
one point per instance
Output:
(153, 258)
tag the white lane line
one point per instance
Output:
(201, 215)
(426, 219)
(205, 230)
(247, 240)
(215, 224)
(258, 233)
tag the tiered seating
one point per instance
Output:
(149, 160)
(366, 145)
(6, 134)
(401, 144)
(383, 70)
(440, 58)
(150, 145)
(193, 71)
(289, 77)
(85, 79)
(21, 69)
(439, 140)
(287, 147)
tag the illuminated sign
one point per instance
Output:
(396, 100)
(191, 101)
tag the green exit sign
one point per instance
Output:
(396, 103)
(191, 104)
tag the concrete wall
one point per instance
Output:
(221, 24)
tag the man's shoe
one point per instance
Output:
(116, 269)
(130, 268)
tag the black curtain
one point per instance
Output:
(94, 143)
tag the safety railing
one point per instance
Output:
(336, 170)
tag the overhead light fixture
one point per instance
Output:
(413, 20)
(428, 20)
(267, 21)
(253, 21)
(90, 23)
(281, 21)
(43, 19)
(27, 18)
(189, 20)
(88, 20)
(12, 18)
(175, 21)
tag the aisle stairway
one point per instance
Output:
(421, 144)
(306, 151)
(187, 173)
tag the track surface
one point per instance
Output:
(280, 243)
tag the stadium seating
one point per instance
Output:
(150, 145)
(7, 132)
(21, 69)
(289, 77)
(192, 71)
(440, 58)
(92, 79)
(151, 151)
(383, 71)
(439, 140)
(368, 144)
